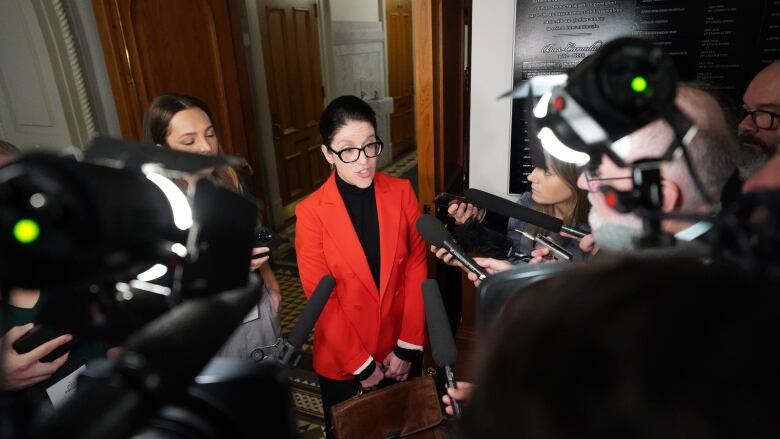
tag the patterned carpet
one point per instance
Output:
(303, 380)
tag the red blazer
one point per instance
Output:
(358, 321)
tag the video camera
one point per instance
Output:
(106, 235)
(589, 113)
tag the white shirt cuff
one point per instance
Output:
(364, 366)
(405, 345)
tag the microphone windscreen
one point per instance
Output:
(511, 209)
(311, 312)
(432, 230)
(443, 347)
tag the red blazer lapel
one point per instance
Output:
(388, 207)
(339, 226)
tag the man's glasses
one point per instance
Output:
(763, 119)
(350, 155)
(593, 177)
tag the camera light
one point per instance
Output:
(26, 231)
(557, 149)
(182, 212)
(155, 272)
(639, 84)
(540, 110)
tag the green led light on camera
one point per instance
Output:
(639, 84)
(26, 231)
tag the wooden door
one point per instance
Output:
(291, 54)
(441, 51)
(400, 74)
(193, 47)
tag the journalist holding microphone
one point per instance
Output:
(359, 228)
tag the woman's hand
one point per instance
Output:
(491, 266)
(463, 211)
(445, 256)
(396, 367)
(255, 264)
(461, 393)
(23, 370)
(376, 377)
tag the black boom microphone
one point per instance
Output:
(282, 351)
(504, 207)
(434, 233)
(443, 349)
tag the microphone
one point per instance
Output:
(443, 349)
(511, 209)
(282, 351)
(434, 233)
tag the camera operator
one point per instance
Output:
(713, 154)
(28, 380)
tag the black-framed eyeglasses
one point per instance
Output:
(350, 155)
(763, 119)
(592, 177)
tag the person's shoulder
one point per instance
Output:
(311, 201)
(525, 199)
(394, 184)
(382, 178)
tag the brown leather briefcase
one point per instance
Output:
(408, 409)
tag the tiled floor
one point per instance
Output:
(303, 380)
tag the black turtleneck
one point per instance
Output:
(361, 206)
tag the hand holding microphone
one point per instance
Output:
(511, 209)
(434, 233)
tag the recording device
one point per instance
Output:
(37, 336)
(497, 290)
(158, 364)
(444, 199)
(283, 350)
(264, 237)
(100, 249)
(622, 87)
(557, 251)
(504, 207)
(443, 349)
(434, 233)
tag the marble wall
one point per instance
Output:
(359, 56)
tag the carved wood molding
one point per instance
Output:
(65, 57)
(74, 61)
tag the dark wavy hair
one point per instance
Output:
(342, 110)
(157, 124)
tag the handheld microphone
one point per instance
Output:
(511, 209)
(284, 349)
(434, 233)
(558, 251)
(443, 349)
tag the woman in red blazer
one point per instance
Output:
(359, 227)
